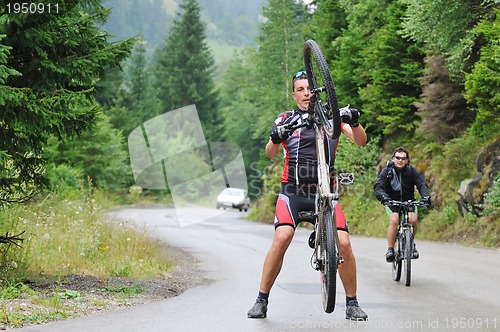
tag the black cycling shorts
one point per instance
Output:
(293, 199)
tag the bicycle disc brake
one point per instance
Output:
(315, 264)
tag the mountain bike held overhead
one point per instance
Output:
(311, 127)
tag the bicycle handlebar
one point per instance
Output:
(320, 89)
(406, 203)
(294, 126)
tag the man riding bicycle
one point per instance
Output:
(298, 191)
(397, 181)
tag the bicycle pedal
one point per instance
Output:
(341, 260)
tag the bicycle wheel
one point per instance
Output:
(328, 257)
(396, 264)
(320, 80)
(408, 254)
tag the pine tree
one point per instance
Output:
(326, 26)
(482, 84)
(133, 100)
(444, 27)
(279, 56)
(452, 31)
(50, 65)
(383, 65)
(184, 72)
(99, 155)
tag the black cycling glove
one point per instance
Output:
(385, 200)
(350, 115)
(279, 133)
(426, 200)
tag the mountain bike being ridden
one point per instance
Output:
(405, 249)
(299, 183)
(397, 181)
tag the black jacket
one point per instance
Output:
(409, 177)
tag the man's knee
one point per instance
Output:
(282, 237)
(394, 218)
(345, 244)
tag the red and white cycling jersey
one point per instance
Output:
(300, 172)
(301, 165)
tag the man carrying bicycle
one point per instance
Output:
(397, 181)
(298, 191)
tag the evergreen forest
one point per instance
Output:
(78, 78)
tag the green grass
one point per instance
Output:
(14, 291)
(74, 237)
(125, 290)
(17, 319)
(66, 237)
(51, 308)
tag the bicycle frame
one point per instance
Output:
(324, 198)
(326, 255)
(404, 221)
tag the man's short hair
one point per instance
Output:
(401, 149)
(298, 76)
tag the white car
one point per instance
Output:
(233, 198)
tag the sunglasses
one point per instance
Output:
(300, 73)
(400, 158)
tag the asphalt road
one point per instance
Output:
(453, 288)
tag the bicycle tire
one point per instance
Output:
(396, 264)
(408, 254)
(329, 265)
(330, 110)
